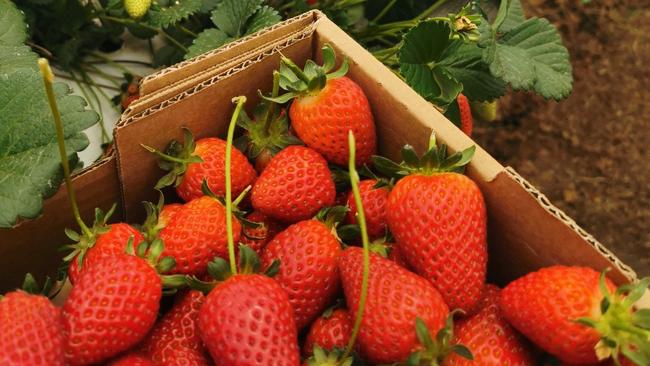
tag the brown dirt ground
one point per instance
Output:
(591, 153)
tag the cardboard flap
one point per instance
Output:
(199, 64)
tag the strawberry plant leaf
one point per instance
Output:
(165, 16)
(439, 68)
(207, 40)
(12, 29)
(264, 17)
(233, 19)
(14, 54)
(231, 16)
(30, 169)
(510, 15)
(464, 62)
(531, 56)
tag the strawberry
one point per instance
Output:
(294, 186)
(307, 252)
(175, 340)
(132, 359)
(137, 8)
(248, 320)
(326, 106)
(110, 309)
(396, 298)
(466, 121)
(196, 234)
(374, 203)
(439, 221)
(267, 132)
(31, 331)
(107, 243)
(332, 330)
(492, 340)
(572, 314)
(193, 162)
(256, 238)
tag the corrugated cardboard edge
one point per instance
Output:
(190, 81)
(568, 221)
(177, 72)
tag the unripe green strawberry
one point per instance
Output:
(137, 8)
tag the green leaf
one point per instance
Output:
(420, 62)
(464, 62)
(30, 167)
(514, 15)
(231, 15)
(12, 29)
(164, 17)
(207, 40)
(264, 17)
(208, 5)
(641, 318)
(14, 58)
(532, 57)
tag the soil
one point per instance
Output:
(590, 154)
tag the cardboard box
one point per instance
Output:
(525, 230)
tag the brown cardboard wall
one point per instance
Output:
(33, 246)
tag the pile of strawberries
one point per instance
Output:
(271, 250)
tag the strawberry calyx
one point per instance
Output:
(151, 252)
(86, 239)
(267, 132)
(624, 332)
(434, 160)
(175, 159)
(235, 210)
(219, 269)
(433, 352)
(310, 80)
(335, 357)
(332, 216)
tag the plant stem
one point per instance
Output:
(48, 78)
(104, 86)
(430, 10)
(270, 112)
(111, 62)
(384, 11)
(135, 62)
(95, 70)
(231, 132)
(361, 218)
(187, 31)
(92, 88)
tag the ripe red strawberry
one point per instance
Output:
(466, 120)
(191, 163)
(196, 234)
(439, 222)
(490, 338)
(374, 205)
(294, 186)
(31, 331)
(257, 237)
(110, 309)
(396, 297)
(107, 243)
(571, 314)
(175, 340)
(248, 320)
(132, 359)
(332, 330)
(326, 106)
(307, 251)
